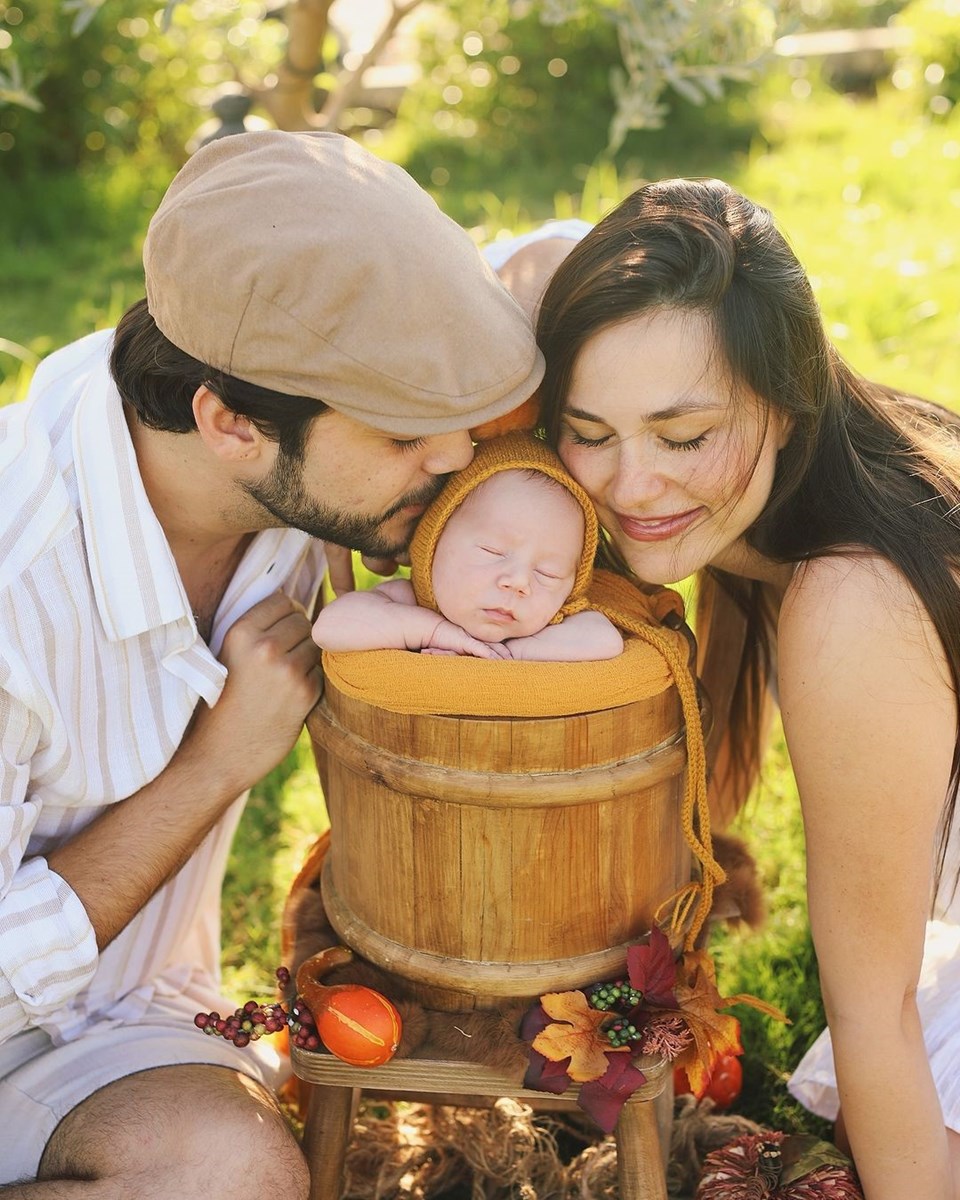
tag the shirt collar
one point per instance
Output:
(135, 578)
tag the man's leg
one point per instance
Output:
(194, 1132)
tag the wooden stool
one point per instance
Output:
(642, 1133)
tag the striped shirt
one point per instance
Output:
(101, 667)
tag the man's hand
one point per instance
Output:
(340, 567)
(274, 680)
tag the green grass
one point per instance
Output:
(776, 964)
(284, 816)
(867, 193)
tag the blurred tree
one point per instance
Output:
(932, 66)
(85, 78)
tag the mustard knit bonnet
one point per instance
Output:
(518, 451)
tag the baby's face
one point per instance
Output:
(508, 557)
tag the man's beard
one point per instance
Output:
(283, 496)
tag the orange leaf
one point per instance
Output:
(578, 1039)
(768, 1010)
(714, 1033)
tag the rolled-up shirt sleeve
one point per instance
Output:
(48, 949)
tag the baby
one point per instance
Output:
(495, 562)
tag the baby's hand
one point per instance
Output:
(448, 638)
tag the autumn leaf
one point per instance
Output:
(653, 970)
(714, 1033)
(602, 1099)
(546, 1076)
(577, 1038)
(535, 1020)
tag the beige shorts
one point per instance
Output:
(40, 1083)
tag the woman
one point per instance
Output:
(691, 390)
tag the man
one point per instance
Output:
(316, 342)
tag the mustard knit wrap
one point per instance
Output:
(512, 452)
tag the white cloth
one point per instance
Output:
(497, 253)
(101, 667)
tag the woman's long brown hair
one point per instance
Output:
(864, 471)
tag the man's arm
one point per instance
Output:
(273, 681)
(582, 637)
(48, 950)
(60, 911)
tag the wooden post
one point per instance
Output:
(640, 1173)
(326, 1136)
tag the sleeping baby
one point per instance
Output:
(500, 563)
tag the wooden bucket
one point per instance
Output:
(482, 859)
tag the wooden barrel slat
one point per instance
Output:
(448, 783)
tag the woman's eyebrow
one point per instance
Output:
(680, 409)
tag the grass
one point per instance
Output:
(69, 259)
(867, 193)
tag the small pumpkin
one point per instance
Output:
(355, 1023)
(723, 1086)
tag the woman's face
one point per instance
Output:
(678, 465)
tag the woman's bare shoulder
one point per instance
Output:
(857, 610)
(854, 586)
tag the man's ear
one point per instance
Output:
(231, 437)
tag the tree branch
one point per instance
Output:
(349, 83)
(290, 101)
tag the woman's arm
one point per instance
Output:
(870, 720)
(579, 638)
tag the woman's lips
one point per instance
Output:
(657, 529)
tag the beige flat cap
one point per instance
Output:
(302, 263)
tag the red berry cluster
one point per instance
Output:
(253, 1020)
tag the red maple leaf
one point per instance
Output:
(653, 970)
(602, 1099)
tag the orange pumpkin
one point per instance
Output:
(355, 1023)
(359, 1025)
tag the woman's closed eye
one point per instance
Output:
(580, 439)
(693, 443)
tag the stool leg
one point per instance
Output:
(664, 1106)
(326, 1136)
(640, 1173)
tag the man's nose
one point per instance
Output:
(448, 452)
